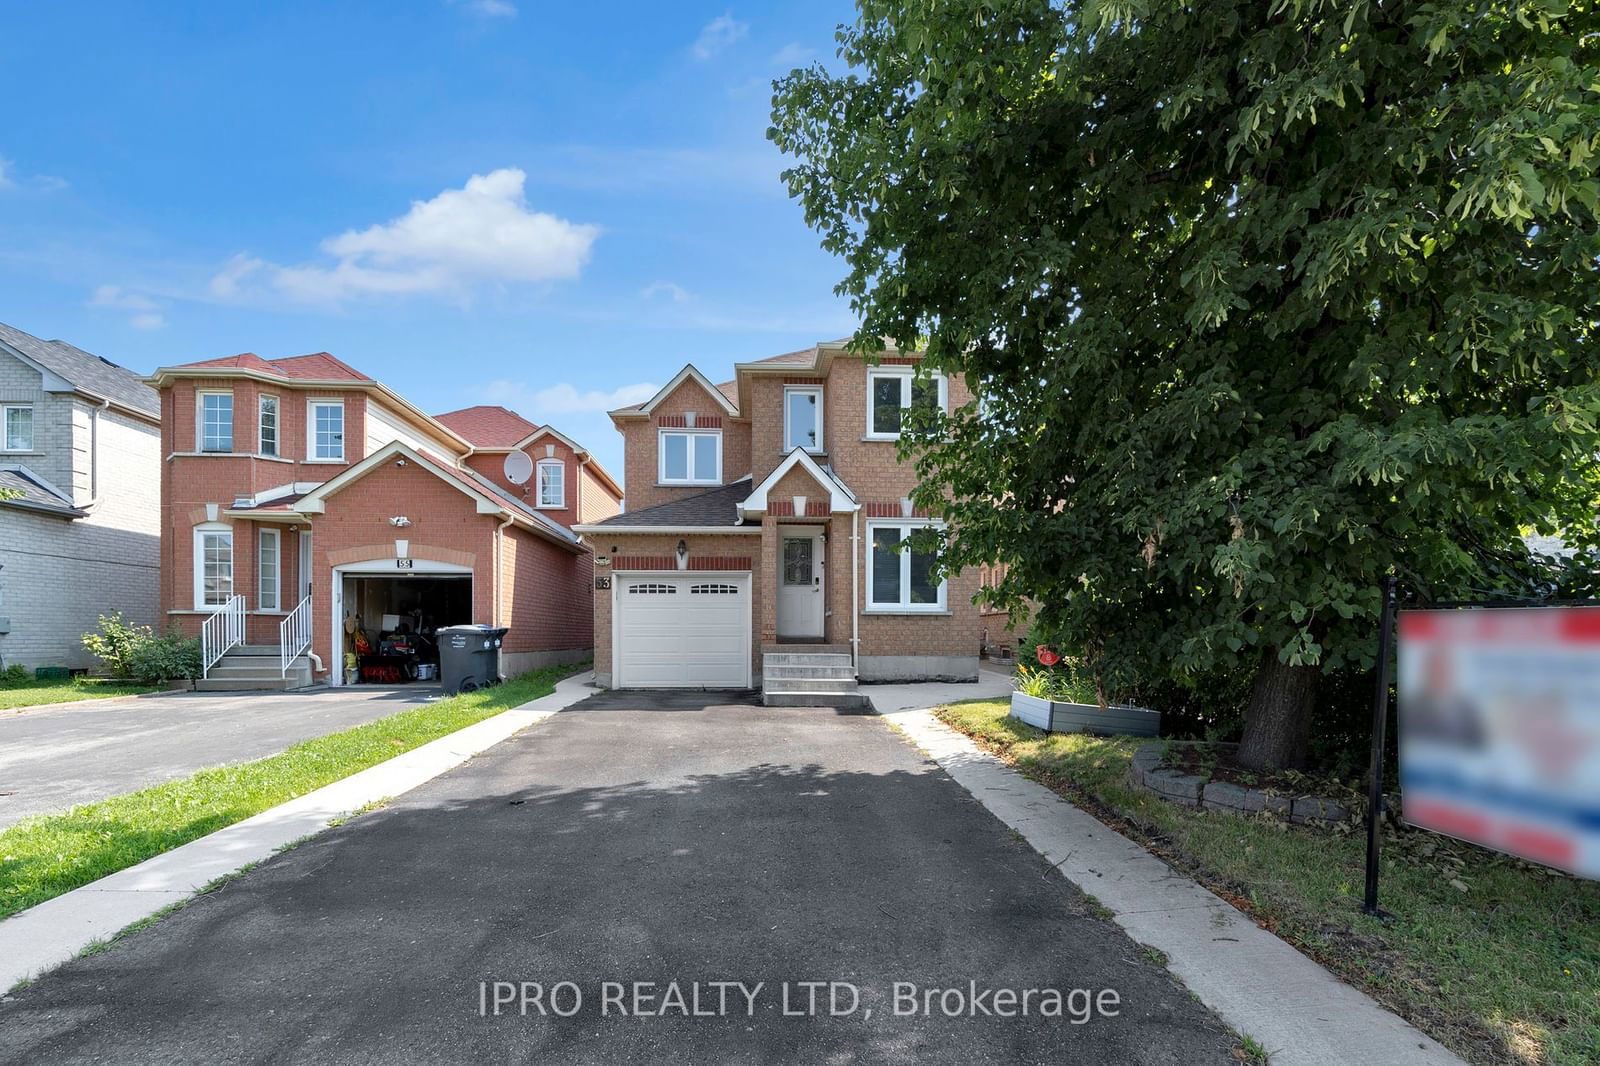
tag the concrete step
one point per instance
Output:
(839, 672)
(235, 684)
(253, 651)
(809, 684)
(790, 658)
(845, 701)
(829, 649)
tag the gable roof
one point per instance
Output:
(318, 366)
(717, 509)
(490, 498)
(89, 374)
(840, 498)
(489, 426)
(688, 373)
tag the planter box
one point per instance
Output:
(1057, 717)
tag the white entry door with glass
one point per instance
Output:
(801, 594)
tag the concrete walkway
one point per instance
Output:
(52, 758)
(1255, 982)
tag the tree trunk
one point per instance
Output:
(1277, 721)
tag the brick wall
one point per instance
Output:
(596, 502)
(641, 464)
(547, 596)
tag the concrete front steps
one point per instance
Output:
(254, 668)
(809, 675)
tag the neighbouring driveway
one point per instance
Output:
(632, 838)
(58, 757)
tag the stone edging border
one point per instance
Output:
(1191, 790)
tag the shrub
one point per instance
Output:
(14, 674)
(168, 658)
(135, 653)
(115, 642)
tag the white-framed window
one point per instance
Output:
(802, 418)
(325, 430)
(892, 389)
(690, 457)
(16, 433)
(269, 565)
(552, 479)
(901, 580)
(214, 420)
(213, 565)
(269, 425)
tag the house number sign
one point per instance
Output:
(404, 564)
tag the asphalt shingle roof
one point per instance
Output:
(91, 373)
(318, 366)
(718, 507)
(35, 497)
(488, 425)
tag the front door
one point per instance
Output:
(800, 586)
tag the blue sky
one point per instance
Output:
(476, 201)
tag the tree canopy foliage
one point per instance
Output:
(1263, 300)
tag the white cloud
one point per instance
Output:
(5, 167)
(792, 55)
(674, 292)
(564, 399)
(146, 312)
(718, 34)
(10, 179)
(483, 232)
(495, 9)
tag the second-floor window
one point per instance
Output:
(890, 390)
(327, 429)
(552, 483)
(691, 458)
(18, 427)
(216, 421)
(269, 425)
(802, 419)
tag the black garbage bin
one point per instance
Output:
(469, 657)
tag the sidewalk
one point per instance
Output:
(1257, 983)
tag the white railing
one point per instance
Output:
(294, 635)
(222, 630)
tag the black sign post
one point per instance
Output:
(1380, 721)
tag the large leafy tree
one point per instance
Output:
(1263, 300)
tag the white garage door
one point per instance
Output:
(683, 632)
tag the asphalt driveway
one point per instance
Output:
(57, 757)
(637, 838)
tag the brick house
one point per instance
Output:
(79, 448)
(311, 499)
(760, 532)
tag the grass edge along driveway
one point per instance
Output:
(1497, 959)
(15, 695)
(46, 855)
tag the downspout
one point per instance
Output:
(94, 455)
(855, 591)
(498, 532)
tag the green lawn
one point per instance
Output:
(31, 693)
(1497, 959)
(47, 855)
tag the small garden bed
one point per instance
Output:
(1496, 958)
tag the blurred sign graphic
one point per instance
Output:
(1500, 729)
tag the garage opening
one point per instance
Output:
(390, 624)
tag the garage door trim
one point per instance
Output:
(743, 578)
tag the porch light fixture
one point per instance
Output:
(683, 555)
(399, 521)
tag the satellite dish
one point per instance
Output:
(518, 468)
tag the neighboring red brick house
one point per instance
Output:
(762, 514)
(325, 500)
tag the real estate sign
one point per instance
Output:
(1500, 729)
